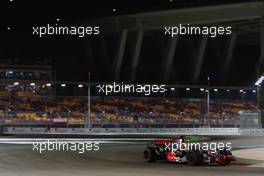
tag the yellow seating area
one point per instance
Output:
(119, 110)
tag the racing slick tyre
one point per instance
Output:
(226, 152)
(194, 158)
(150, 155)
(227, 162)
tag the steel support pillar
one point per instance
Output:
(199, 60)
(121, 45)
(229, 56)
(136, 54)
(169, 58)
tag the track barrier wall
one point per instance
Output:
(125, 131)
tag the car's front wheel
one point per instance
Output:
(150, 155)
(194, 158)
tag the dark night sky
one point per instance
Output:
(68, 54)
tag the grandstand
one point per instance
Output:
(28, 98)
(123, 110)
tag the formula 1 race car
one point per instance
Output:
(162, 149)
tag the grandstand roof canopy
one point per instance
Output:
(98, 55)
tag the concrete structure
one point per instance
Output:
(244, 18)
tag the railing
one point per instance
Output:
(122, 131)
(124, 125)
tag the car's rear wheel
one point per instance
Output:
(194, 158)
(150, 155)
(227, 162)
(225, 152)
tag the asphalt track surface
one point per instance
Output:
(110, 160)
